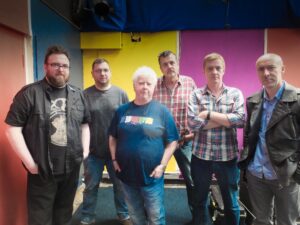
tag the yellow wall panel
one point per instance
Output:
(125, 61)
(100, 40)
(129, 57)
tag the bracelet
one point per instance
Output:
(208, 115)
(113, 160)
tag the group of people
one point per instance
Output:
(54, 126)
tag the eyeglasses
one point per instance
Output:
(57, 66)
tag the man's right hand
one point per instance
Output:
(33, 169)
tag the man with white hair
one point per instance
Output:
(143, 137)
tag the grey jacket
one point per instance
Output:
(282, 134)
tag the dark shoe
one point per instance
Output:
(190, 223)
(126, 222)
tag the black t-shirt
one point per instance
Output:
(58, 130)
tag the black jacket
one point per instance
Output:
(282, 134)
(31, 111)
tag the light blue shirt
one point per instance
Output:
(261, 166)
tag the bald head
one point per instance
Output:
(270, 70)
(270, 57)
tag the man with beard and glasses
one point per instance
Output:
(48, 129)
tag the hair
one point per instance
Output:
(144, 71)
(99, 61)
(212, 57)
(166, 54)
(55, 49)
(268, 56)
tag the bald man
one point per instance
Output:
(271, 139)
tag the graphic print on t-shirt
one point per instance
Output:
(58, 121)
(137, 120)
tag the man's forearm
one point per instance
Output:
(85, 137)
(17, 142)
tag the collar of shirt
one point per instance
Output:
(278, 93)
(179, 81)
(208, 92)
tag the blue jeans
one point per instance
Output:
(146, 203)
(227, 174)
(93, 170)
(183, 157)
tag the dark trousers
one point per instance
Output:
(183, 157)
(50, 202)
(227, 174)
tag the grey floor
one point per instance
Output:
(177, 212)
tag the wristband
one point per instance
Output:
(208, 115)
(113, 160)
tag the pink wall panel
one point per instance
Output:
(240, 48)
(286, 42)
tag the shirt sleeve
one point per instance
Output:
(87, 115)
(170, 127)
(237, 116)
(19, 110)
(194, 121)
(114, 125)
(124, 98)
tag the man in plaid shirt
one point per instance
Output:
(173, 90)
(214, 113)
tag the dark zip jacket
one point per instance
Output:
(282, 134)
(31, 111)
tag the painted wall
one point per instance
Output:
(126, 59)
(129, 57)
(50, 28)
(286, 42)
(240, 48)
(12, 173)
(14, 14)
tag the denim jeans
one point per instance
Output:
(227, 174)
(93, 171)
(183, 157)
(146, 203)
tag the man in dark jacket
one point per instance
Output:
(48, 130)
(271, 139)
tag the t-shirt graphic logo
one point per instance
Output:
(137, 120)
(58, 121)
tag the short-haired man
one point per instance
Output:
(271, 140)
(48, 129)
(215, 111)
(103, 99)
(173, 90)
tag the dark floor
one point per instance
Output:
(177, 212)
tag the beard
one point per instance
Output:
(58, 80)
